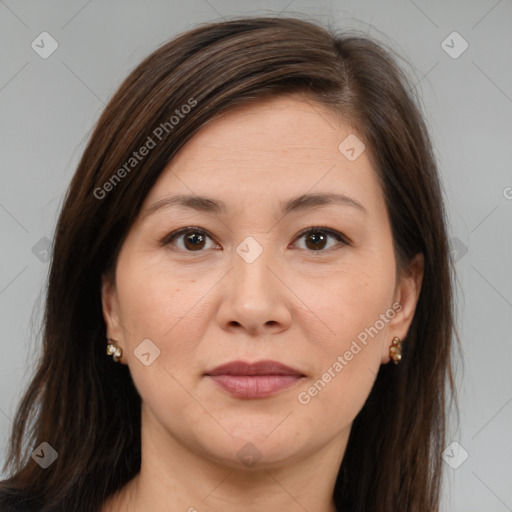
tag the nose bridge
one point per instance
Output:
(254, 296)
(250, 261)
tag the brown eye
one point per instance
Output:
(317, 239)
(193, 239)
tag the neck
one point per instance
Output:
(175, 478)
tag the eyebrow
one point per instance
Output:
(300, 203)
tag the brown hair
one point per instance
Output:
(87, 407)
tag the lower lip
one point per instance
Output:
(255, 386)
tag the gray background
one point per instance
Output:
(48, 108)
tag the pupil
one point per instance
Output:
(317, 237)
(193, 239)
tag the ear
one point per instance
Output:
(407, 292)
(111, 313)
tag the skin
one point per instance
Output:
(293, 304)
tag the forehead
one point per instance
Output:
(288, 126)
(280, 147)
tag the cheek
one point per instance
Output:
(158, 305)
(356, 307)
(168, 306)
(352, 300)
(347, 363)
(153, 299)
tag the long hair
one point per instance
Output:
(87, 407)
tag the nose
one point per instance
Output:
(254, 297)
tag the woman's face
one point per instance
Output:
(287, 257)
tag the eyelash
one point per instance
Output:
(340, 237)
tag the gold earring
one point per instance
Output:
(113, 350)
(395, 350)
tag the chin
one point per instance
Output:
(253, 447)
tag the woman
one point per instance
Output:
(250, 297)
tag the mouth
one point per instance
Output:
(254, 380)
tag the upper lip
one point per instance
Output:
(256, 368)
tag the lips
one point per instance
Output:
(258, 368)
(254, 380)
